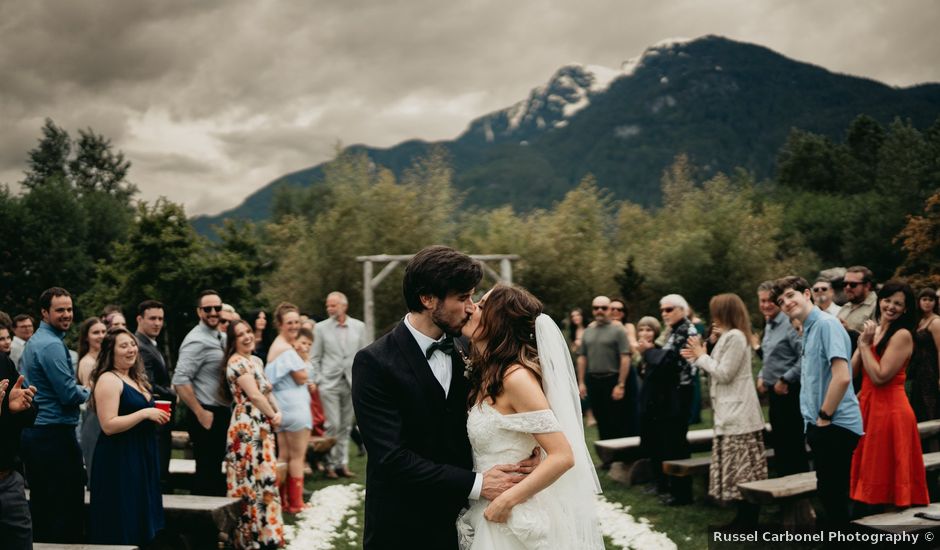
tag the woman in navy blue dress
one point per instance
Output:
(126, 504)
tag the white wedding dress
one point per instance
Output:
(562, 516)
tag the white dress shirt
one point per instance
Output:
(442, 369)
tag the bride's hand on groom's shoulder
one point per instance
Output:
(498, 479)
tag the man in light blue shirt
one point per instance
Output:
(50, 451)
(827, 402)
(781, 350)
(197, 380)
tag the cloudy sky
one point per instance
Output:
(212, 99)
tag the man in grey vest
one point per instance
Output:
(335, 344)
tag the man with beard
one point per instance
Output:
(53, 460)
(197, 381)
(603, 366)
(410, 399)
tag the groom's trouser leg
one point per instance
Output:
(15, 524)
(338, 409)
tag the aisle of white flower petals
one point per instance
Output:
(331, 517)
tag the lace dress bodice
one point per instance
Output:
(499, 438)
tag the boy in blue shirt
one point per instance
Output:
(828, 404)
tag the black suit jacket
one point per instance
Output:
(420, 465)
(155, 365)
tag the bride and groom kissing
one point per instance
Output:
(448, 423)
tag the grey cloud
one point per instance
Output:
(271, 86)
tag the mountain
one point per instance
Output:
(726, 104)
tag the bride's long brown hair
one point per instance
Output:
(507, 330)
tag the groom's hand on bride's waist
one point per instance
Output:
(503, 476)
(498, 479)
(526, 466)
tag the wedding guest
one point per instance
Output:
(16, 413)
(258, 320)
(888, 465)
(779, 378)
(858, 284)
(22, 332)
(196, 381)
(288, 374)
(738, 445)
(90, 335)
(675, 377)
(115, 319)
(336, 342)
(922, 373)
(823, 296)
(303, 344)
(126, 505)
(603, 368)
(657, 394)
(52, 458)
(6, 339)
(150, 315)
(830, 411)
(575, 329)
(251, 472)
(618, 314)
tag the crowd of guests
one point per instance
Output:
(849, 382)
(101, 417)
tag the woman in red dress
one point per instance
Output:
(888, 465)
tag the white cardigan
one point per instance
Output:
(734, 399)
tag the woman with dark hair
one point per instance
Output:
(888, 464)
(575, 329)
(258, 321)
(618, 314)
(90, 336)
(523, 395)
(923, 373)
(251, 464)
(738, 446)
(126, 504)
(288, 374)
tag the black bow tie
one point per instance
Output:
(446, 345)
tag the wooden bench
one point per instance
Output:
(792, 492)
(902, 521)
(50, 546)
(179, 440)
(182, 471)
(205, 522)
(688, 467)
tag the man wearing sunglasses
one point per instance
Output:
(860, 307)
(603, 366)
(823, 297)
(197, 380)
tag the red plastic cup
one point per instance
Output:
(163, 405)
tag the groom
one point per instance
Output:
(410, 398)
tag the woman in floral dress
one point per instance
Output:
(251, 463)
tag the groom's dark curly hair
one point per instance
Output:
(439, 271)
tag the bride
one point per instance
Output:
(523, 394)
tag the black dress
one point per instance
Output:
(922, 376)
(126, 504)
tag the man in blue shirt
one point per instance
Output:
(50, 451)
(827, 403)
(781, 350)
